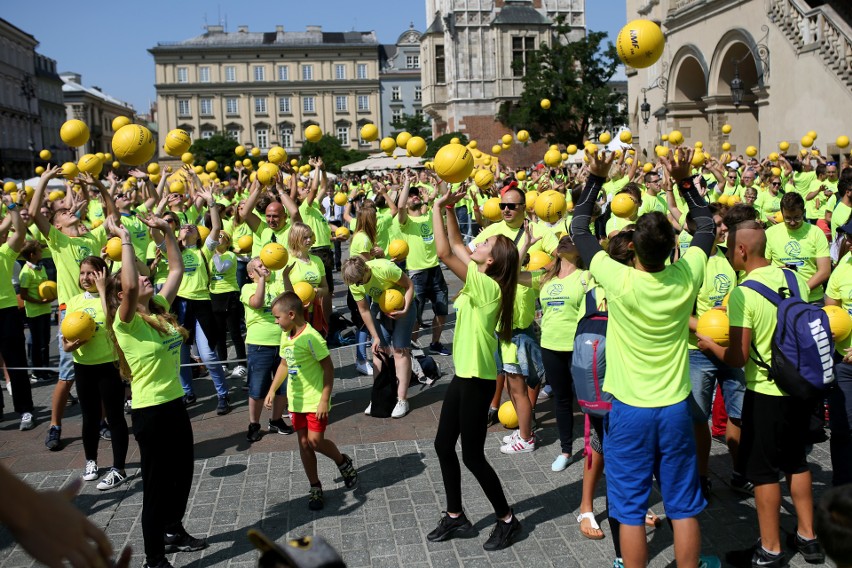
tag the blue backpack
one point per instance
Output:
(802, 346)
(588, 365)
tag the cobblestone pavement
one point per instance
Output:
(382, 522)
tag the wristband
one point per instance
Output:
(11, 206)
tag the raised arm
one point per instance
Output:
(251, 219)
(402, 215)
(38, 198)
(292, 208)
(173, 255)
(314, 180)
(129, 274)
(448, 241)
(18, 237)
(679, 168)
(585, 241)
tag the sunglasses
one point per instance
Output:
(509, 206)
(775, 183)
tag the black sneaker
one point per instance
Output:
(253, 434)
(706, 487)
(741, 485)
(448, 526)
(502, 535)
(347, 470)
(811, 549)
(280, 427)
(188, 399)
(53, 440)
(183, 542)
(755, 557)
(162, 563)
(224, 405)
(438, 349)
(315, 500)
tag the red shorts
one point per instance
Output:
(302, 420)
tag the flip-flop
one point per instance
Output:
(592, 523)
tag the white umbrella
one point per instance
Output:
(381, 161)
(57, 183)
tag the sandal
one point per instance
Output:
(593, 524)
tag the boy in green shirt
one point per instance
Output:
(306, 361)
(37, 308)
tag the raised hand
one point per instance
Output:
(600, 163)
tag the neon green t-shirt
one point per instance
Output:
(311, 271)
(800, 248)
(139, 235)
(264, 235)
(615, 224)
(360, 244)
(223, 282)
(802, 182)
(768, 205)
(417, 232)
(648, 330)
(815, 208)
(8, 297)
(261, 328)
(195, 281)
(99, 348)
(562, 300)
(386, 229)
(750, 310)
(37, 236)
(162, 270)
(313, 218)
(524, 310)
(31, 278)
(719, 279)
(303, 353)
(384, 274)
(153, 358)
(474, 342)
(839, 217)
(68, 253)
(840, 288)
(653, 203)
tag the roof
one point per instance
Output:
(271, 39)
(437, 27)
(387, 52)
(72, 87)
(520, 15)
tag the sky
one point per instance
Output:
(108, 45)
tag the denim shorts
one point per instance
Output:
(525, 358)
(66, 360)
(263, 361)
(704, 372)
(429, 284)
(643, 443)
(394, 332)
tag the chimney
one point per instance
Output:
(242, 29)
(279, 29)
(72, 77)
(314, 29)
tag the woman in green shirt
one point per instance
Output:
(228, 311)
(306, 267)
(99, 383)
(148, 340)
(485, 303)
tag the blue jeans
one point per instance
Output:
(66, 360)
(704, 373)
(191, 314)
(394, 332)
(840, 421)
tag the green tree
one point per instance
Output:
(332, 153)
(579, 92)
(414, 124)
(218, 147)
(442, 141)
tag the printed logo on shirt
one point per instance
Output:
(721, 284)
(375, 291)
(793, 248)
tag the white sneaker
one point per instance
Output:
(26, 421)
(9, 388)
(401, 408)
(91, 473)
(365, 369)
(512, 437)
(113, 478)
(519, 446)
(239, 372)
(368, 409)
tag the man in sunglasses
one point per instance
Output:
(527, 370)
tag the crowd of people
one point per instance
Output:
(186, 280)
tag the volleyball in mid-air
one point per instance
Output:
(640, 44)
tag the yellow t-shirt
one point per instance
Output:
(162, 271)
(384, 274)
(360, 244)
(839, 216)
(524, 309)
(264, 235)
(99, 348)
(312, 217)
(303, 353)
(475, 342)
(8, 297)
(223, 282)
(195, 281)
(154, 359)
(800, 248)
(68, 253)
(139, 235)
(648, 329)
(840, 288)
(562, 300)
(719, 279)
(31, 278)
(261, 328)
(417, 232)
(750, 310)
(311, 271)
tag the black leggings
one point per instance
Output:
(465, 413)
(164, 434)
(14, 352)
(101, 385)
(557, 368)
(229, 313)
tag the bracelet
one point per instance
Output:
(127, 244)
(11, 206)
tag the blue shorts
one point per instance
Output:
(262, 362)
(641, 443)
(394, 332)
(66, 360)
(704, 373)
(429, 284)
